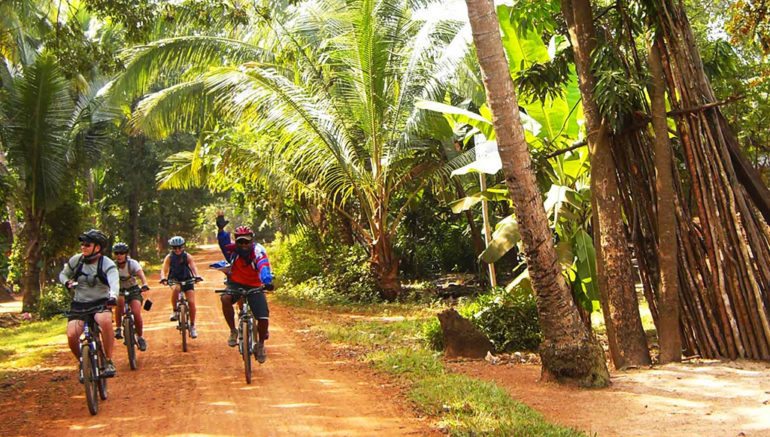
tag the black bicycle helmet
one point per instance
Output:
(94, 236)
(120, 248)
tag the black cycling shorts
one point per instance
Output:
(80, 306)
(257, 301)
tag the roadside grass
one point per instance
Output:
(462, 406)
(31, 343)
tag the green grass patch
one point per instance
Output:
(31, 343)
(462, 406)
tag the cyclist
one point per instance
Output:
(128, 270)
(94, 279)
(250, 268)
(180, 266)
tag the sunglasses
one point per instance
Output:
(85, 244)
(243, 242)
(177, 247)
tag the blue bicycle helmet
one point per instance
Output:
(176, 241)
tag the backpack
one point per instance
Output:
(78, 270)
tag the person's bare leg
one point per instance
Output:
(136, 308)
(227, 310)
(191, 300)
(104, 319)
(119, 311)
(74, 329)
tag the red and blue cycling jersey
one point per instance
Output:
(252, 270)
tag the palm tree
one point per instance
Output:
(336, 111)
(568, 349)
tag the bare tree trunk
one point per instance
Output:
(668, 290)
(137, 145)
(628, 344)
(568, 350)
(31, 279)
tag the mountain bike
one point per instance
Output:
(245, 326)
(92, 358)
(129, 329)
(182, 310)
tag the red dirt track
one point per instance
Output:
(298, 391)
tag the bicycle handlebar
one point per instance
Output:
(185, 282)
(243, 291)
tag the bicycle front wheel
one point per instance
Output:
(246, 347)
(130, 339)
(101, 381)
(183, 325)
(89, 378)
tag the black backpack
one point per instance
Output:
(78, 270)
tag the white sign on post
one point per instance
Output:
(487, 158)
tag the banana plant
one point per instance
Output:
(557, 119)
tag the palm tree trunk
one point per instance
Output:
(30, 280)
(668, 291)
(385, 265)
(137, 144)
(628, 344)
(568, 350)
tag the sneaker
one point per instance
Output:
(109, 369)
(233, 340)
(260, 353)
(142, 344)
(193, 332)
(174, 317)
(119, 333)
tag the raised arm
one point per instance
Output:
(165, 268)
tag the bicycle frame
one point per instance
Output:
(182, 310)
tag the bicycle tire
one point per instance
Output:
(128, 331)
(246, 348)
(183, 326)
(89, 379)
(101, 381)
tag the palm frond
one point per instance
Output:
(185, 107)
(151, 63)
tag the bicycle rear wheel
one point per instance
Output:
(89, 378)
(128, 332)
(246, 348)
(183, 325)
(101, 381)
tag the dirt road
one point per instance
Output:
(298, 391)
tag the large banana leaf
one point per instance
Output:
(586, 265)
(556, 116)
(506, 236)
(466, 203)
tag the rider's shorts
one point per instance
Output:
(80, 306)
(186, 287)
(134, 293)
(257, 301)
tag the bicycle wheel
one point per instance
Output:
(128, 332)
(183, 326)
(101, 381)
(89, 378)
(246, 348)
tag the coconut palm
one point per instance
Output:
(334, 106)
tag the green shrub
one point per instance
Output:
(432, 334)
(350, 274)
(54, 300)
(509, 319)
(296, 258)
